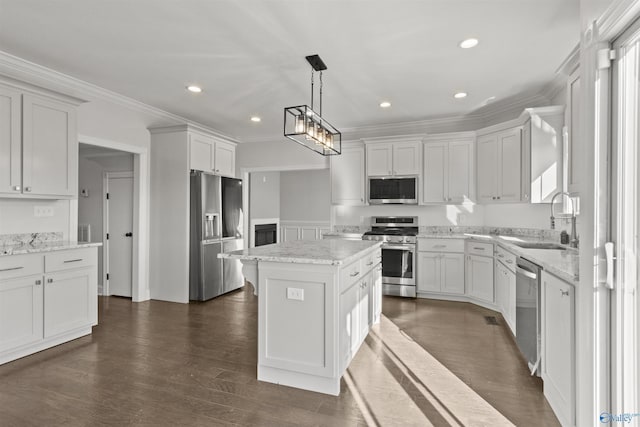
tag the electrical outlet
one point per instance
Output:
(295, 293)
(41, 211)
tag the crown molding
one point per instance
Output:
(20, 69)
(619, 15)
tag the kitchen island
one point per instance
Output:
(316, 303)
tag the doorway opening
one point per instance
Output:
(109, 211)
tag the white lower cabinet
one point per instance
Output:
(20, 312)
(441, 272)
(505, 293)
(479, 273)
(70, 301)
(558, 346)
(56, 300)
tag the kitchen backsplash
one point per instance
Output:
(29, 238)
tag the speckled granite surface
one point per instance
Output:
(325, 252)
(28, 243)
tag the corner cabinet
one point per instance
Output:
(558, 346)
(38, 145)
(348, 177)
(448, 170)
(394, 158)
(46, 299)
(209, 154)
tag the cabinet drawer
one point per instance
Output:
(370, 261)
(68, 260)
(350, 273)
(20, 265)
(477, 248)
(506, 257)
(441, 245)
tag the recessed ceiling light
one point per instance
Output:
(460, 95)
(468, 43)
(385, 104)
(194, 88)
(256, 119)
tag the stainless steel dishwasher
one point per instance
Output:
(528, 312)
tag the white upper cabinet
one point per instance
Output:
(542, 164)
(225, 159)
(38, 146)
(499, 166)
(393, 158)
(406, 158)
(208, 154)
(509, 158)
(380, 159)
(10, 142)
(348, 177)
(448, 171)
(201, 152)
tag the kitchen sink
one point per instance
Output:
(540, 245)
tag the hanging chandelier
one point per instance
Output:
(305, 126)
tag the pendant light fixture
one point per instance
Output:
(307, 127)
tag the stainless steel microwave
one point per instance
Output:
(393, 190)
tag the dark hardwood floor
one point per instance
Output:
(156, 363)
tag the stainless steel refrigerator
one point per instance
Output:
(216, 226)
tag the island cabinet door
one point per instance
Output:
(349, 323)
(365, 306)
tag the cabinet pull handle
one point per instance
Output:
(439, 246)
(509, 261)
(72, 260)
(370, 263)
(500, 256)
(564, 293)
(354, 274)
(49, 280)
(38, 282)
(478, 249)
(12, 268)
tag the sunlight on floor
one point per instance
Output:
(410, 387)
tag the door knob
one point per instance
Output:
(129, 234)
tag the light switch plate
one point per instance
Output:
(295, 293)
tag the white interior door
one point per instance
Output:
(626, 196)
(120, 229)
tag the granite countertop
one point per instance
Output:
(43, 246)
(344, 235)
(561, 263)
(326, 252)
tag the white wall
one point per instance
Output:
(17, 216)
(274, 155)
(427, 215)
(305, 195)
(90, 177)
(264, 195)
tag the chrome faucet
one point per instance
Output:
(573, 239)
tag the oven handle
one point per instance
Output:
(399, 247)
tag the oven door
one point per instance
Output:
(398, 264)
(393, 190)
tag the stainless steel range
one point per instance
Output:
(398, 234)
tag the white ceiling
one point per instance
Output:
(249, 55)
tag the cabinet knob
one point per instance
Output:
(27, 189)
(493, 197)
(498, 197)
(16, 188)
(38, 282)
(49, 280)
